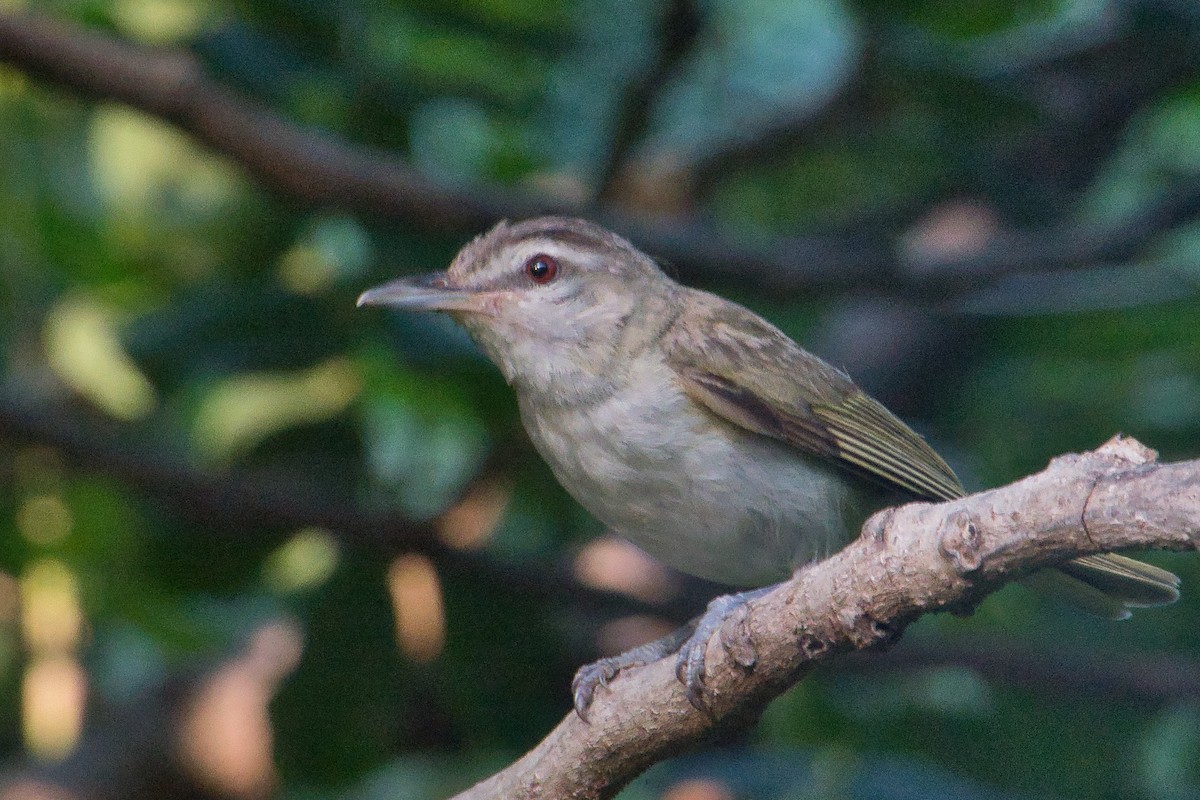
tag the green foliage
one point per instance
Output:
(187, 328)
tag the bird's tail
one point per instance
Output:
(1107, 585)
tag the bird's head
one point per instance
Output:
(546, 295)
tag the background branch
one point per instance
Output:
(238, 503)
(909, 561)
(319, 169)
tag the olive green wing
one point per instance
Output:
(750, 373)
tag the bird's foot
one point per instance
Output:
(599, 673)
(689, 642)
(689, 664)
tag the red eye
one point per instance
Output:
(541, 268)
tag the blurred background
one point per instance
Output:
(256, 543)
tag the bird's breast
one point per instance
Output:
(695, 491)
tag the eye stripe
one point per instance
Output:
(496, 259)
(563, 236)
(513, 258)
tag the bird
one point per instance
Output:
(696, 429)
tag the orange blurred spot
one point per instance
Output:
(52, 700)
(954, 229)
(616, 565)
(226, 737)
(702, 789)
(469, 524)
(417, 603)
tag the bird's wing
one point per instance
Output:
(750, 373)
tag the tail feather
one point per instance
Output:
(1136, 583)
(1107, 585)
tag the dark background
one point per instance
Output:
(224, 487)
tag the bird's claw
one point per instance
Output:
(600, 673)
(588, 678)
(689, 670)
(689, 643)
(690, 663)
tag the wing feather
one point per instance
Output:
(869, 436)
(751, 374)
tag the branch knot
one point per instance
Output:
(961, 542)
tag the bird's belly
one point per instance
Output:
(698, 494)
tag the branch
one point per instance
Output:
(681, 23)
(239, 503)
(172, 85)
(908, 562)
(320, 169)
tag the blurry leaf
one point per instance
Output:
(125, 661)
(1173, 134)
(1161, 142)
(44, 519)
(450, 60)
(421, 459)
(160, 21)
(84, 349)
(1034, 31)
(1179, 251)
(757, 64)
(238, 413)
(263, 60)
(1003, 37)
(422, 439)
(331, 251)
(613, 43)
(51, 619)
(303, 562)
(980, 18)
(525, 16)
(142, 164)
(832, 183)
(451, 139)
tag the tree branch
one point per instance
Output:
(239, 503)
(908, 562)
(320, 169)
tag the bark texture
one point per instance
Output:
(909, 561)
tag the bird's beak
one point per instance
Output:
(430, 292)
